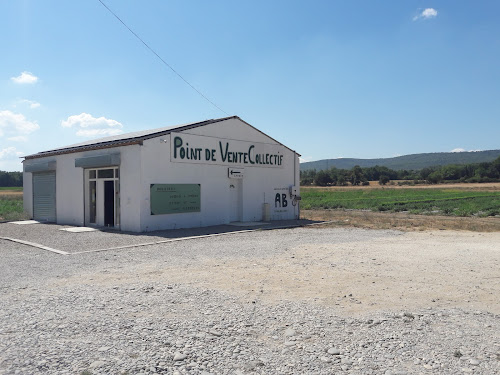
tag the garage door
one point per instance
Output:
(44, 196)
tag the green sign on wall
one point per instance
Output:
(174, 198)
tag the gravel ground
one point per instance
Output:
(52, 236)
(249, 303)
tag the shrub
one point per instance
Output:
(383, 179)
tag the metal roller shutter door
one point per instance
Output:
(44, 196)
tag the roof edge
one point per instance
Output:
(124, 141)
(139, 139)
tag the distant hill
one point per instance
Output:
(414, 161)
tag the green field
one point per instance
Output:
(416, 201)
(11, 205)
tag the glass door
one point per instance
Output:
(102, 197)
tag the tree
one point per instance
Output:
(356, 175)
(323, 178)
(334, 175)
(425, 172)
(307, 177)
(8, 179)
(341, 181)
(384, 179)
(435, 177)
(495, 165)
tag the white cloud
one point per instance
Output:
(16, 125)
(10, 153)
(429, 13)
(426, 14)
(19, 138)
(25, 77)
(305, 159)
(31, 103)
(90, 126)
(458, 149)
(91, 133)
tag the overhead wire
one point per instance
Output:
(161, 59)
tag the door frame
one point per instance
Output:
(93, 175)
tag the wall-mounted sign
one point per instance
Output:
(281, 200)
(174, 198)
(235, 172)
(189, 148)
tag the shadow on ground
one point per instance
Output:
(52, 236)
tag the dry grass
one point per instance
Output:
(401, 221)
(11, 193)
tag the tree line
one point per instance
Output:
(11, 179)
(478, 172)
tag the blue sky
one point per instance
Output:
(362, 79)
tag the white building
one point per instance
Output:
(206, 173)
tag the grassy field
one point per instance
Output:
(463, 201)
(10, 189)
(11, 203)
(437, 201)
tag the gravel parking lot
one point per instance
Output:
(58, 237)
(286, 301)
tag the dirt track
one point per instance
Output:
(402, 221)
(415, 270)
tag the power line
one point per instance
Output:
(163, 61)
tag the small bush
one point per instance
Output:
(383, 180)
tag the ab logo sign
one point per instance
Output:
(280, 201)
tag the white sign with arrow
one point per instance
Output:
(235, 172)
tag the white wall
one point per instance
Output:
(130, 187)
(260, 183)
(151, 163)
(28, 192)
(70, 187)
(69, 191)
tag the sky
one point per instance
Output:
(329, 79)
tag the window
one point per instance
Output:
(105, 173)
(92, 201)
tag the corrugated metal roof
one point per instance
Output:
(122, 139)
(131, 138)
